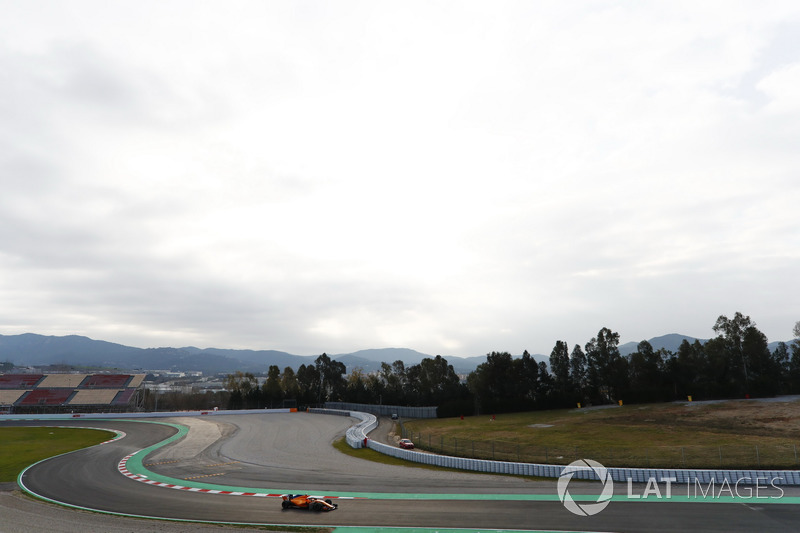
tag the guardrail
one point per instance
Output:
(356, 436)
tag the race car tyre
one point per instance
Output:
(329, 502)
(316, 506)
(286, 504)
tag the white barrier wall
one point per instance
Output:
(356, 435)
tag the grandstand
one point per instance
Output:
(69, 393)
(19, 381)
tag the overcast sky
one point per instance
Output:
(453, 177)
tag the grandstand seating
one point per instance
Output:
(46, 397)
(106, 381)
(94, 397)
(68, 392)
(57, 381)
(8, 397)
(19, 381)
(123, 397)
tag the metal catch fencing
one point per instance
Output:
(385, 410)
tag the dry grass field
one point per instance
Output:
(727, 434)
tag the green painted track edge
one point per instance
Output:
(360, 529)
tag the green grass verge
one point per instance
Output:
(20, 447)
(376, 457)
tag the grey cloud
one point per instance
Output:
(289, 187)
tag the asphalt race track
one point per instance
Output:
(278, 453)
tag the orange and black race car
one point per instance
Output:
(304, 501)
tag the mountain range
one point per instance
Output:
(30, 349)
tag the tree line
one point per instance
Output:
(431, 382)
(735, 364)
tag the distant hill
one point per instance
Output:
(370, 360)
(30, 349)
(669, 342)
(387, 355)
(673, 341)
